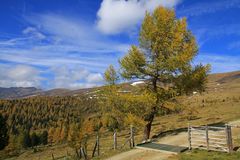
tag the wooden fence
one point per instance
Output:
(210, 138)
(130, 139)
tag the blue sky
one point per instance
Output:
(68, 44)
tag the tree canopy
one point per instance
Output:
(164, 58)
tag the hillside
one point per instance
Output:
(60, 115)
(229, 79)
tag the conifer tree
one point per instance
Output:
(110, 75)
(34, 139)
(26, 139)
(44, 137)
(164, 59)
(3, 133)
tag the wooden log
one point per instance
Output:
(215, 142)
(198, 144)
(197, 140)
(198, 130)
(213, 127)
(217, 135)
(218, 139)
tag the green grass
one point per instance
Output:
(205, 155)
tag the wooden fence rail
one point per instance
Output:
(129, 139)
(210, 138)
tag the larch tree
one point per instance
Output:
(110, 75)
(4, 137)
(44, 138)
(164, 60)
(110, 100)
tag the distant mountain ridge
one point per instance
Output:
(24, 92)
(18, 92)
(228, 78)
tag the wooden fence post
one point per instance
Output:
(67, 153)
(229, 138)
(207, 138)
(115, 139)
(78, 156)
(83, 153)
(98, 145)
(189, 137)
(94, 149)
(132, 143)
(53, 156)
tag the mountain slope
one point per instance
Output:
(226, 80)
(18, 92)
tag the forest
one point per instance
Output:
(37, 120)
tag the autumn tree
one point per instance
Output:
(34, 139)
(110, 75)
(44, 137)
(3, 132)
(26, 139)
(164, 59)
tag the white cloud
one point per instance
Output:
(19, 76)
(220, 62)
(94, 78)
(34, 33)
(206, 33)
(68, 42)
(115, 16)
(208, 7)
(75, 32)
(75, 77)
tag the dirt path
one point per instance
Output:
(143, 154)
(179, 139)
(140, 154)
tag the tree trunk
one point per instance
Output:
(149, 119)
(147, 130)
